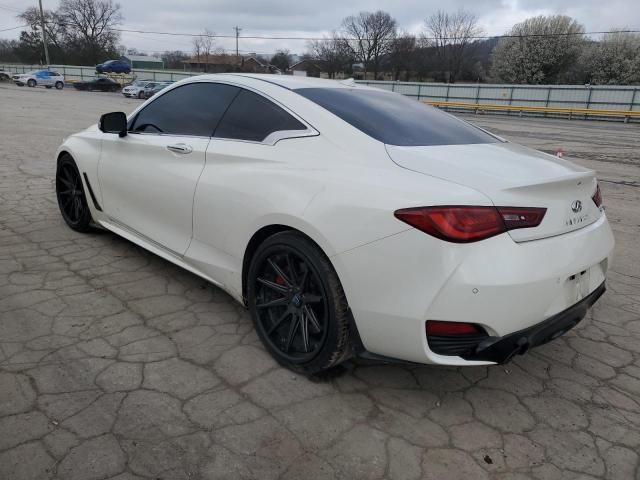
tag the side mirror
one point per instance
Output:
(114, 122)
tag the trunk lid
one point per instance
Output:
(511, 175)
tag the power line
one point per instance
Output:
(10, 9)
(263, 37)
(14, 28)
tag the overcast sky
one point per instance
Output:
(312, 18)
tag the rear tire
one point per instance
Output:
(31, 83)
(298, 305)
(72, 199)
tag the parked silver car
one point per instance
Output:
(44, 78)
(136, 89)
(151, 90)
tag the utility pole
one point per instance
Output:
(238, 30)
(44, 35)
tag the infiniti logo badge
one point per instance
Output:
(576, 206)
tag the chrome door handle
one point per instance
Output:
(182, 148)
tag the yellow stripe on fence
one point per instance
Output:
(481, 107)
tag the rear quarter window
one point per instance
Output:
(395, 119)
(252, 117)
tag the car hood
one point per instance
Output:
(512, 175)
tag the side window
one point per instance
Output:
(253, 117)
(194, 109)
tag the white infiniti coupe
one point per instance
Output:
(349, 220)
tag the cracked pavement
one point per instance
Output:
(114, 364)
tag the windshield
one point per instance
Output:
(395, 119)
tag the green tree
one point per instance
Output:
(615, 60)
(539, 50)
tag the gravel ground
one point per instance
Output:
(114, 364)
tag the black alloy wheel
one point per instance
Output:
(298, 305)
(72, 200)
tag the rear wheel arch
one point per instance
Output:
(256, 240)
(265, 233)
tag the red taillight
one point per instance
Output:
(597, 197)
(438, 328)
(518, 217)
(464, 224)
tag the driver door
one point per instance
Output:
(148, 178)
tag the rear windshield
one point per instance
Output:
(395, 119)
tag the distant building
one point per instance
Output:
(314, 68)
(228, 63)
(143, 61)
(307, 68)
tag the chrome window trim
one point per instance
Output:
(271, 139)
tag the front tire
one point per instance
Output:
(59, 85)
(140, 95)
(298, 305)
(31, 83)
(72, 199)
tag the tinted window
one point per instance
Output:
(253, 117)
(395, 119)
(193, 109)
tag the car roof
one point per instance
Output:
(290, 82)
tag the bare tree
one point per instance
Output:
(89, 27)
(174, 59)
(539, 50)
(370, 37)
(197, 48)
(281, 60)
(451, 36)
(401, 58)
(54, 27)
(333, 53)
(207, 45)
(203, 47)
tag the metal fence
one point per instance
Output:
(600, 97)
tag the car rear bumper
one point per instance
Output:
(502, 349)
(396, 284)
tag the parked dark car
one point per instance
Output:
(113, 66)
(150, 91)
(99, 83)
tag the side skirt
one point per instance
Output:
(157, 249)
